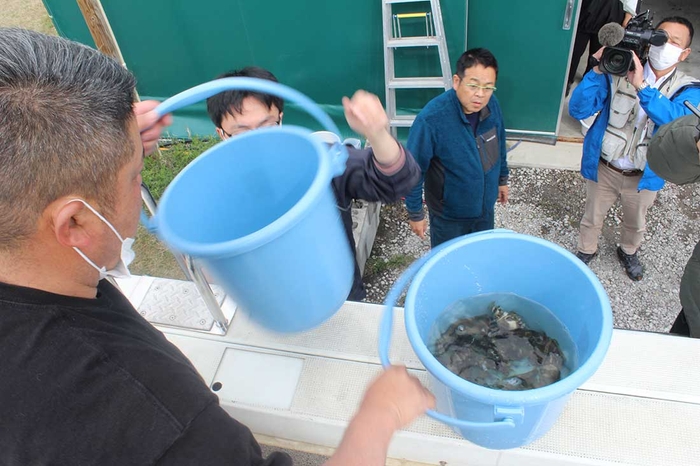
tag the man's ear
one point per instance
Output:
(684, 54)
(220, 132)
(72, 224)
(281, 116)
(456, 80)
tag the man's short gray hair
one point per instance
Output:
(65, 110)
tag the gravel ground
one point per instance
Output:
(549, 204)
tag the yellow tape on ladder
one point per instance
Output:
(411, 15)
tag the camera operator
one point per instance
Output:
(674, 154)
(614, 159)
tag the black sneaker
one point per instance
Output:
(631, 263)
(586, 258)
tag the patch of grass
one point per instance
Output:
(28, 14)
(160, 168)
(46, 26)
(152, 257)
(376, 265)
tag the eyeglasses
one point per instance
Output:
(244, 129)
(474, 87)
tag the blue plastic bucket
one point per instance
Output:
(258, 212)
(501, 261)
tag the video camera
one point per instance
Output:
(640, 33)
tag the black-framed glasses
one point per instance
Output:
(696, 112)
(244, 129)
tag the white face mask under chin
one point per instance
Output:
(662, 57)
(127, 255)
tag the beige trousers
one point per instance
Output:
(601, 196)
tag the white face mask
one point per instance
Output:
(127, 253)
(664, 56)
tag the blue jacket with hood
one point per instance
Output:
(593, 95)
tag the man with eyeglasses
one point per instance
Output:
(235, 112)
(381, 173)
(459, 141)
(614, 161)
(674, 155)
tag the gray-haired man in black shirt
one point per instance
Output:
(84, 379)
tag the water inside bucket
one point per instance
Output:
(504, 357)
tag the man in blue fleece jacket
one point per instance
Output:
(615, 148)
(459, 141)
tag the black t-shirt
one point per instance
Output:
(90, 382)
(473, 119)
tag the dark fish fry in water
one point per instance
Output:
(497, 350)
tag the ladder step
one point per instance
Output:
(406, 1)
(403, 121)
(423, 14)
(413, 42)
(436, 82)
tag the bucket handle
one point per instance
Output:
(338, 151)
(510, 415)
(208, 89)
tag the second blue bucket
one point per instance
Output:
(501, 261)
(258, 212)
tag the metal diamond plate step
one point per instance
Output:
(178, 304)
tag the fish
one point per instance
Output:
(499, 351)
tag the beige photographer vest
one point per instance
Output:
(626, 135)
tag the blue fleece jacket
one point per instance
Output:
(461, 172)
(593, 95)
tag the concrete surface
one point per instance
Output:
(611, 420)
(305, 454)
(563, 156)
(293, 449)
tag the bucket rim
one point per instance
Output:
(273, 230)
(483, 394)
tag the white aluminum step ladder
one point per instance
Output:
(393, 39)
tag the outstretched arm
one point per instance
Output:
(393, 401)
(366, 116)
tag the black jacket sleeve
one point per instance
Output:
(364, 180)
